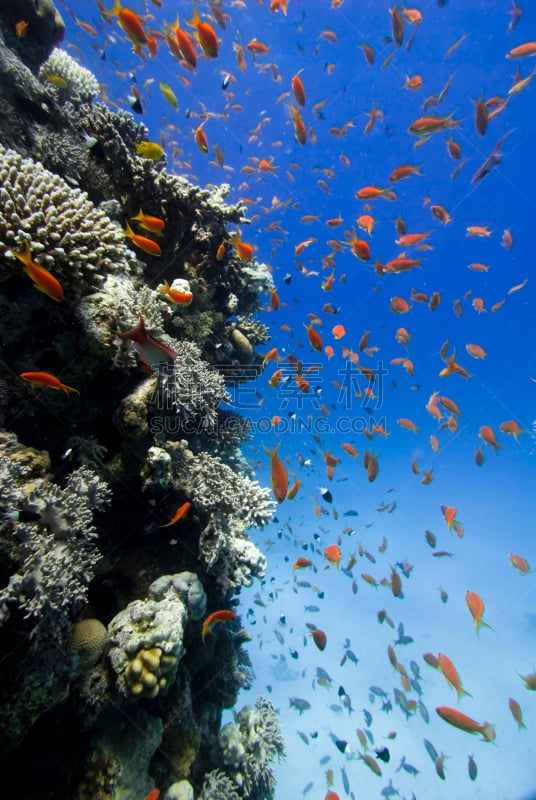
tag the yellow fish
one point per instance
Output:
(150, 150)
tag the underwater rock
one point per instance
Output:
(45, 29)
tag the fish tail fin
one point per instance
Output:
(461, 691)
(139, 216)
(69, 390)
(114, 11)
(488, 732)
(195, 20)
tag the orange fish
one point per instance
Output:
(174, 295)
(451, 675)
(278, 474)
(179, 514)
(423, 126)
(476, 607)
(149, 223)
(488, 437)
(206, 34)
(153, 795)
(465, 723)
(148, 246)
(301, 563)
(152, 353)
(182, 45)
(338, 331)
(129, 21)
(298, 89)
(404, 171)
(21, 28)
(244, 250)
(214, 619)
(43, 280)
(522, 50)
(200, 138)
(315, 339)
(45, 379)
(372, 192)
(512, 427)
(520, 563)
(517, 714)
(332, 553)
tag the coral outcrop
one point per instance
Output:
(104, 585)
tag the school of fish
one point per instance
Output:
(367, 240)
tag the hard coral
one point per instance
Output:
(146, 639)
(56, 554)
(249, 745)
(67, 79)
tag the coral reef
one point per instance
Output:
(68, 79)
(45, 28)
(101, 601)
(63, 229)
(248, 746)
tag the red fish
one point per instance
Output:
(214, 619)
(465, 723)
(45, 379)
(151, 353)
(180, 513)
(278, 474)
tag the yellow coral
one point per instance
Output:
(146, 673)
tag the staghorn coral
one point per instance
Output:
(64, 230)
(76, 83)
(249, 745)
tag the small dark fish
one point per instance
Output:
(326, 494)
(351, 513)
(287, 278)
(20, 516)
(135, 104)
(299, 703)
(225, 81)
(341, 745)
(383, 754)
(471, 768)
(303, 737)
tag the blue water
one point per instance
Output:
(250, 120)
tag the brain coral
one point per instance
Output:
(67, 233)
(86, 643)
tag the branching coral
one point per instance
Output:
(190, 394)
(56, 554)
(66, 232)
(249, 745)
(68, 79)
